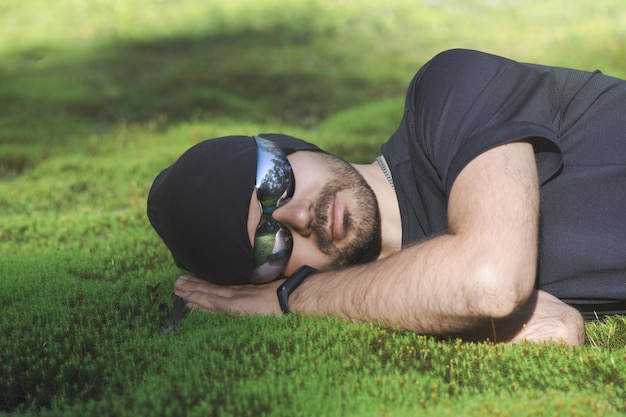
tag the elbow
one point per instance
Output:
(502, 290)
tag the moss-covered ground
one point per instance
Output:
(97, 96)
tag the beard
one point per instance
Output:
(362, 223)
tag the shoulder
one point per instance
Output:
(453, 78)
(461, 55)
(458, 57)
(464, 66)
(463, 102)
(461, 76)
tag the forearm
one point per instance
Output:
(429, 288)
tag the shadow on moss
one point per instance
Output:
(276, 76)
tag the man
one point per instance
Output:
(495, 210)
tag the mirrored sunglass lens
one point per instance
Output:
(272, 248)
(274, 176)
(271, 243)
(275, 185)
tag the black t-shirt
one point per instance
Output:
(463, 103)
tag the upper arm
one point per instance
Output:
(494, 209)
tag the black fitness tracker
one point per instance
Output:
(291, 284)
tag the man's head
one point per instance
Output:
(203, 204)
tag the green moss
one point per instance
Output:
(97, 97)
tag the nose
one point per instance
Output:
(296, 215)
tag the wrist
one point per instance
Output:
(286, 288)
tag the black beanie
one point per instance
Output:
(199, 206)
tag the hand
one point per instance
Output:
(548, 318)
(250, 299)
(542, 318)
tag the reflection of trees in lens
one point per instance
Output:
(263, 247)
(277, 179)
(268, 227)
(264, 241)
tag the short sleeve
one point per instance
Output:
(463, 103)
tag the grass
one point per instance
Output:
(97, 96)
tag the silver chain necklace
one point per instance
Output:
(379, 158)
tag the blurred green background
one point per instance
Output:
(72, 69)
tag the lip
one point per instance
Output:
(336, 222)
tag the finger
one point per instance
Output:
(188, 279)
(187, 283)
(183, 287)
(204, 301)
(199, 294)
(190, 283)
(192, 278)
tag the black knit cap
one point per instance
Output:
(199, 206)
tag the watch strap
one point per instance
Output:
(291, 284)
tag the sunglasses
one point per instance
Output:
(275, 185)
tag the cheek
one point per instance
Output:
(254, 216)
(305, 253)
(309, 172)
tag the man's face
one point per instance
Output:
(333, 215)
